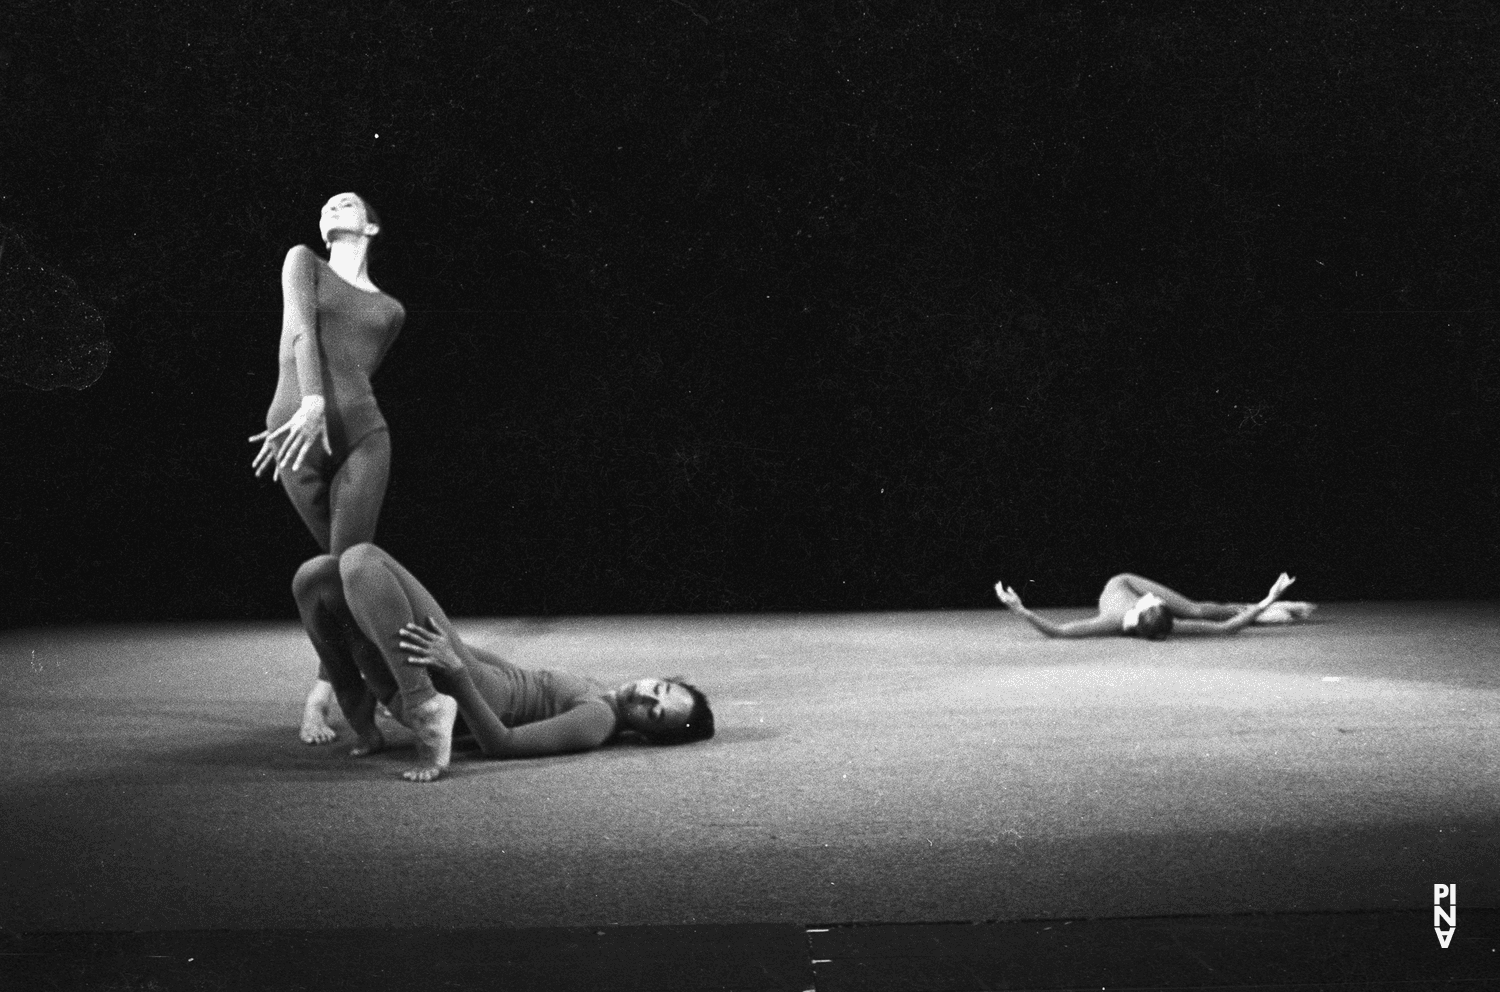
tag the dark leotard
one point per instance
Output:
(513, 711)
(333, 338)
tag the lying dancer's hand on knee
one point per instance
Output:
(429, 647)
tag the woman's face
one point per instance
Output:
(345, 212)
(655, 704)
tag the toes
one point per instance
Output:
(317, 733)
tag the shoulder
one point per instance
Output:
(607, 700)
(299, 260)
(591, 699)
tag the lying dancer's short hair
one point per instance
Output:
(1155, 622)
(700, 721)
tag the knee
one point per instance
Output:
(314, 577)
(356, 564)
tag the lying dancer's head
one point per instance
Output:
(666, 711)
(1148, 618)
(348, 214)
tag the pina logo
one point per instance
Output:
(1444, 917)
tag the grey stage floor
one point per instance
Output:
(895, 768)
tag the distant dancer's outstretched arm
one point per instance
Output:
(1092, 627)
(1244, 618)
(579, 729)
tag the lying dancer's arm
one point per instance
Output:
(1092, 627)
(579, 729)
(1241, 620)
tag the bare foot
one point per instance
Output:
(315, 727)
(368, 738)
(432, 722)
(1285, 612)
(371, 742)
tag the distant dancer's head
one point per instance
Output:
(348, 215)
(666, 711)
(1148, 618)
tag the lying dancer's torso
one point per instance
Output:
(525, 695)
(354, 329)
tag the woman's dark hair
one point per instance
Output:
(1155, 622)
(371, 214)
(699, 725)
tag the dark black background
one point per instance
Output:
(764, 305)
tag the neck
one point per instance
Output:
(349, 257)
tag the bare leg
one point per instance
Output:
(1180, 605)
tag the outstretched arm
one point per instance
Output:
(1242, 619)
(579, 729)
(1092, 627)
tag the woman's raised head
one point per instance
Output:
(348, 215)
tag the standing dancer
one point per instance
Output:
(325, 438)
(1135, 607)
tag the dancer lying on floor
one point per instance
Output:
(426, 675)
(1137, 607)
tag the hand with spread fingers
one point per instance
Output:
(304, 429)
(429, 647)
(1009, 597)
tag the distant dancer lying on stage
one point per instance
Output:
(1137, 607)
(425, 674)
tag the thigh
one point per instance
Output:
(357, 492)
(1177, 603)
(420, 603)
(308, 490)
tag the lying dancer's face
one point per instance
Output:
(345, 212)
(655, 704)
